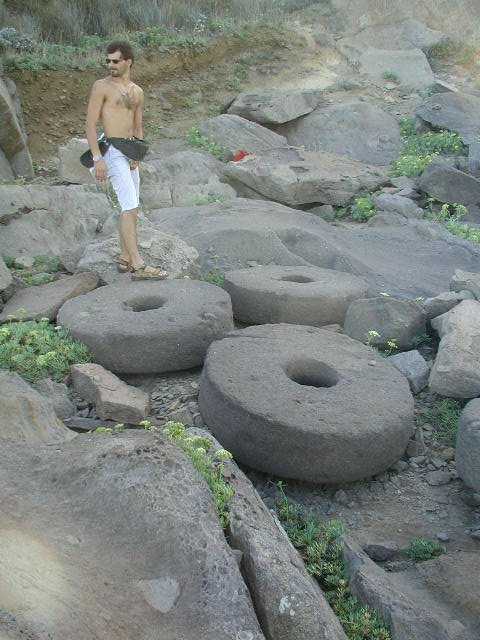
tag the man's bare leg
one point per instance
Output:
(128, 237)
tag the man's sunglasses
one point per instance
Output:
(114, 60)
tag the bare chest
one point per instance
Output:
(122, 98)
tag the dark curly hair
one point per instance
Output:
(124, 47)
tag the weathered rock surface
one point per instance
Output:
(464, 281)
(393, 319)
(6, 279)
(410, 67)
(44, 220)
(468, 445)
(414, 367)
(295, 177)
(181, 179)
(456, 373)
(13, 141)
(113, 399)
(57, 393)
(358, 130)
(158, 249)
(26, 416)
(44, 301)
(409, 613)
(279, 397)
(447, 184)
(147, 327)
(234, 133)
(70, 169)
(295, 295)
(457, 112)
(445, 301)
(413, 260)
(398, 204)
(6, 172)
(274, 108)
(105, 523)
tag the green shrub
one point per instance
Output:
(38, 350)
(449, 215)
(391, 76)
(363, 209)
(321, 549)
(444, 416)
(421, 549)
(196, 139)
(419, 150)
(209, 464)
(214, 276)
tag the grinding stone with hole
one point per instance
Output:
(149, 327)
(305, 403)
(296, 295)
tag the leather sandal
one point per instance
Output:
(148, 273)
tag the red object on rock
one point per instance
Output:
(240, 155)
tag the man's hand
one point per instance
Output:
(100, 171)
(134, 165)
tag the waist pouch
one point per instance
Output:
(132, 148)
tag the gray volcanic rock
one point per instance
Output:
(234, 133)
(70, 169)
(392, 319)
(13, 140)
(296, 402)
(274, 108)
(398, 204)
(296, 177)
(468, 445)
(445, 301)
(358, 130)
(414, 367)
(146, 327)
(456, 373)
(296, 295)
(411, 67)
(448, 184)
(6, 279)
(464, 281)
(106, 526)
(413, 260)
(457, 112)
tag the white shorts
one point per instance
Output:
(125, 182)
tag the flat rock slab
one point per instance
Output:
(410, 67)
(457, 112)
(294, 177)
(445, 301)
(44, 301)
(105, 523)
(456, 371)
(398, 204)
(447, 184)
(149, 327)
(465, 281)
(297, 402)
(113, 399)
(295, 295)
(233, 133)
(26, 416)
(388, 318)
(355, 129)
(274, 108)
(468, 445)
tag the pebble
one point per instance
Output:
(443, 536)
(437, 478)
(341, 497)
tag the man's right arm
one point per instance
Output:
(94, 111)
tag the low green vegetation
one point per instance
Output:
(452, 50)
(421, 549)
(196, 139)
(214, 276)
(450, 216)
(444, 416)
(390, 348)
(211, 198)
(42, 271)
(420, 149)
(210, 464)
(37, 349)
(391, 76)
(363, 209)
(320, 547)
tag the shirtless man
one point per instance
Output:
(118, 103)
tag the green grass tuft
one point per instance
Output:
(421, 549)
(444, 416)
(363, 209)
(196, 139)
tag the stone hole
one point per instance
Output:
(296, 278)
(311, 373)
(145, 303)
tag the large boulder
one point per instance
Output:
(457, 112)
(468, 445)
(149, 327)
(45, 220)
(447, 184)
(383, 319)
(297, 402)
(413, 260)
(411, 68)
(13, 140)
(44, 301)
(158, 249)
(70, 169)
(464, 281)
(58, 394)
(26, 416)
(105, 523)
(413, 366)
(456, 373)
(274, 108)
(181, 179)
(295, 295)
(234, 133)
(397, 204)
(356, 129)
(445, 301)
(295, 177)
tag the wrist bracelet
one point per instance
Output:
(97, 158)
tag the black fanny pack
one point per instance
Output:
(132, 148)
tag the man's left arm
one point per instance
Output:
(138, 123)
